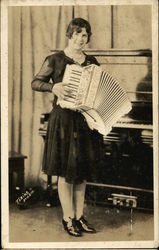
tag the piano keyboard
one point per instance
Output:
(120, 124)
(126, 122)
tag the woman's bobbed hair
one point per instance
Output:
(76, 25)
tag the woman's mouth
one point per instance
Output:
(80, 44)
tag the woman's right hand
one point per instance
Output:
(61, 90)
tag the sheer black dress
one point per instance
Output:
(71, 149)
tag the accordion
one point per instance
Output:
(96, 94)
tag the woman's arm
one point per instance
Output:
(41, 82)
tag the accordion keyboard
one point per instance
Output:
(73, 80)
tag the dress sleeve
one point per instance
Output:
(95, 61)
(41, 81)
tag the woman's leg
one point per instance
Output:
(79, 196)
(65, 191)
(81, 222)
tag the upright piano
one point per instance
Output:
(125, 175)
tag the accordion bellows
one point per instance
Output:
(97, 95)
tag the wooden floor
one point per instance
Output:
(43, 224)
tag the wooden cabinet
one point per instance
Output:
(16, 174)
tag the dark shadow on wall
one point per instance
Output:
(142, 107)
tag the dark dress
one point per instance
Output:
(71, 150)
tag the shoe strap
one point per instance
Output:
(71, 227)
(83, 220)
(69, 223)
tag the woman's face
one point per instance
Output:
(79, 39)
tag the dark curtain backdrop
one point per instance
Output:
(32, 33)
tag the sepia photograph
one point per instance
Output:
(79, 124)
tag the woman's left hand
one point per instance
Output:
(62, 91)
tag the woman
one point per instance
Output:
(71, 148)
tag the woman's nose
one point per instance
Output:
(80, 37)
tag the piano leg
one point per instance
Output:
(48, 191)
(51, 193)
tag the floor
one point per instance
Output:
(43, 224)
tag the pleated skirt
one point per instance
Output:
(71, 149)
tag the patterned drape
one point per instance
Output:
(35, 31)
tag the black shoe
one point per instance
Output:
(71, 228)
(83, 226)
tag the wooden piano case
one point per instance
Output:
(127, 169)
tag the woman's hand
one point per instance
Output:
(61, 90)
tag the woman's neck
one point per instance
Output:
(73, 51)
(77, 55)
